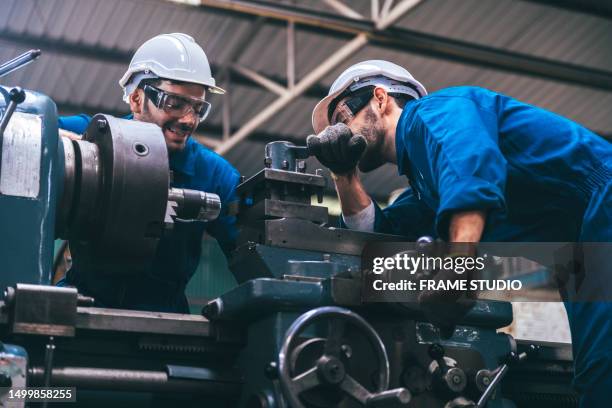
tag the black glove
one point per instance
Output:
(445, 311)
(337, 148)
(446, 308)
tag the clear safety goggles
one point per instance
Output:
(175, 105)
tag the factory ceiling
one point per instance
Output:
(276, 58)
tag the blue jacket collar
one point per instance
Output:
(184, 161)
(400, 147)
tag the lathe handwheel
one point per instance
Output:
(329, 369)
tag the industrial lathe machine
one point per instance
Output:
(294, 333)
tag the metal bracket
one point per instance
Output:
(42, 310)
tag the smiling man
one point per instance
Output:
(166, 84)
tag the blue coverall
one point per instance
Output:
(540, 178)
(178, 253)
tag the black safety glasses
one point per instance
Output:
(345, 110)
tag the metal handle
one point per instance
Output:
(392, 399)
(18, 62)
(501, 372)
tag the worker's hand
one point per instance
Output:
(446, 308)
(337, 148)
(69, 135)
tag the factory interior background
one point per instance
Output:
(553, 54)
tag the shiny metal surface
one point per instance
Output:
(194, 204)
(94, 378)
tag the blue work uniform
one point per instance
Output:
(539, 177)
(162, 287)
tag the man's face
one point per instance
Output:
(367, 123)
(176, 129)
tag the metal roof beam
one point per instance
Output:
(322, 69)
(262, 80)
(66, 48)
(213, 133)
(421, 43)
(599, 8)
(285, 99)
(290, 54)
(343, 9)
(242, 43)
(388, 17)
(115, 56)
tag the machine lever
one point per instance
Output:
(19, 62)
(49, 350)
(500, 373)
(397, 397)
(14, 97)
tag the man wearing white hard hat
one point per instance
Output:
(166, 83)
(482, 167)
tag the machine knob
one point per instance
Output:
(331, 370)
(455, 379)
(445, 370)
(460, 402)
(483, 379)
(17, 94)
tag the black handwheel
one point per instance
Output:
(329, 369)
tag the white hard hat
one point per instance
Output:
(373, 72)
(173, 56)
